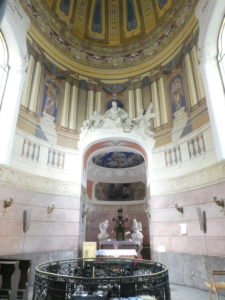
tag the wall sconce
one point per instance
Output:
(179, 208)
(26, 220)
(7, 203)
(50, 209)
(147, 210)
(219, 203)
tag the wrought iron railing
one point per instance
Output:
(103, 278)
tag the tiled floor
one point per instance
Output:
(179, 292)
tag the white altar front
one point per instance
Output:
(128, 253)
(130, 246)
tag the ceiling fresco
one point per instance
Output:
(109, 32)
(118, 159)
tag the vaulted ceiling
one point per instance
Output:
(110, 32)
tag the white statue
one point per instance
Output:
(97, 120)
(115, 113)
(137, 234)
(103, 226)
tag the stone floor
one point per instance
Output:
(179, 292)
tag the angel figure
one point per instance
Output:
(137, 234)
(103, 226)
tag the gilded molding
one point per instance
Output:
(208, 176)
(38, 184)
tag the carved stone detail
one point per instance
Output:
(116, 122)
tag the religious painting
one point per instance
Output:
(118, 159)
(120, 191)
(50, 98)
(176, 92)
(65, 6)
(162, 3)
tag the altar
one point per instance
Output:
(122, 253)
(126, 245)
(133, 243)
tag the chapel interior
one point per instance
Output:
(112, 107)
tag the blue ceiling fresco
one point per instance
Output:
(118, 159)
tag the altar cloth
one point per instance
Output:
(117, 252)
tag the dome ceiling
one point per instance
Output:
(109, 32)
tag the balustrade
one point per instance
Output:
(173, 156)
(30, 150)
(196, 146)
(56, 158)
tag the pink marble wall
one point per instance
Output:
(58, 231)
(165, 220)
(96, 217)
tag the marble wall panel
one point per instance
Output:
(165, 222)
(58, 230)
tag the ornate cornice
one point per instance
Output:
(22, 180)
(208, 176)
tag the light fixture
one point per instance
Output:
(50, 209)
(220, 203)
(179, 208)
(7, 203)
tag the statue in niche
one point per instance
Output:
(103, 226)
(137, 234)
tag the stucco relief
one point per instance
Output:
(207, 176)
(37, 183)
(115, 122)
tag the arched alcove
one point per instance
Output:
(115, 175)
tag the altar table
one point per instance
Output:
(128, 253)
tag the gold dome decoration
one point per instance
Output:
(106, 33)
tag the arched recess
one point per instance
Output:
(95, 210)
(210, 15)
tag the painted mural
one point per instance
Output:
(65, 6)
(120, 191)
(176, 91)
(118, 160)
(162, 3)
(50, 98)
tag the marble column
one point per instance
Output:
(138, 96)
(190, 80)
(90, 102)
(98, 100)
(131, 103)
(155, 101)
(66, 101)
(162, 98)
(28, 82)
(198, 79)
(35, 87)
(73, 108)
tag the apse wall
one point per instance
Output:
(50, 229)
(192, 255)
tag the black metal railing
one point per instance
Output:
(103, 278)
